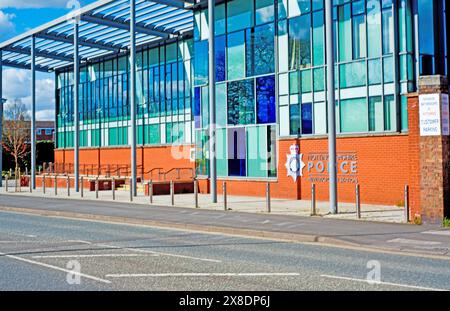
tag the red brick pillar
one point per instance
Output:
(429, 149)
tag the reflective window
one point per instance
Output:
(241, 102)
(265, 100)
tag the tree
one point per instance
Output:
(16, 132)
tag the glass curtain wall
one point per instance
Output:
(245, 33)
(163, 99)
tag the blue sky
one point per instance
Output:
(16, 17)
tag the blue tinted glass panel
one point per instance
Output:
(260, 50)
(307, 123)
(220, 58)
(201, 63)
(197, 99)
(265, 100)
(241, 102)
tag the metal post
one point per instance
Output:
(26, 171)
(6, 183)
(96, 187)
(131, 189)
(82, 186)
(29, 183)
(172, 192)
(43, 184)
(212, 102)
(133, 184)
(56, 185)
(150, 191)
(33, 112)
(313, 200)
(113, 188)
(196, 193)
(1, 118)
(269, 207)
(68, 186)
(76, 70)
(331, 107)
(225, 203)
(358, 202)
(407, 204)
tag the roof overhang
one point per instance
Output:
(103, 30)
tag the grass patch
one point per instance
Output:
(446, 222)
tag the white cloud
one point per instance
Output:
(33, 4)
(17, 85)
(6, 24)
(45, 115)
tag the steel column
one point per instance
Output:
(1, 117)
(212, 103)
(133, 184)
(33, 112)
(76, 92)
(331, 106)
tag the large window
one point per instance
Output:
(241, 102)
(260, 52)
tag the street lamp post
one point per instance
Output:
(212, 103)
(331, 106)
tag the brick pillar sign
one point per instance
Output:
(432, 136)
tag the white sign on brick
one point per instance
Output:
(430, 114)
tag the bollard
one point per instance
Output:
(56, 184)
(150, 191)
(313, 200)
(358, 202)
(225, 196)
(196, 193)
(113, 188)
(43, 184)
(131, 189)
(29, 184)
(19, 184)
(96, 187)
(82, 186)
(269, 208)
(172, 193)
(407, 204)
(26, 171)
(68, 186)
(6, 183)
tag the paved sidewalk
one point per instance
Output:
(234, 203)
(429, 240)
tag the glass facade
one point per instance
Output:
(164, 78)
(271, 80)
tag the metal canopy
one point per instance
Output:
(103, 29)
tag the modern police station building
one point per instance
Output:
(270, 95)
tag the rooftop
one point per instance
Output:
(103, 30)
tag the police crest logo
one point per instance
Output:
(294, 163)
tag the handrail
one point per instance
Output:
(118, 170)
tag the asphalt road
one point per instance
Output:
(41, 253)
(397, 237)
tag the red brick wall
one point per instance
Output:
(383, 168)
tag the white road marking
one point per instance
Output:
(87, 276)
(199, 275)
(157, 253)
(381, 283)
(92, 256)
(443, 232)
(413, 242)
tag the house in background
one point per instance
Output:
(45, 131)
